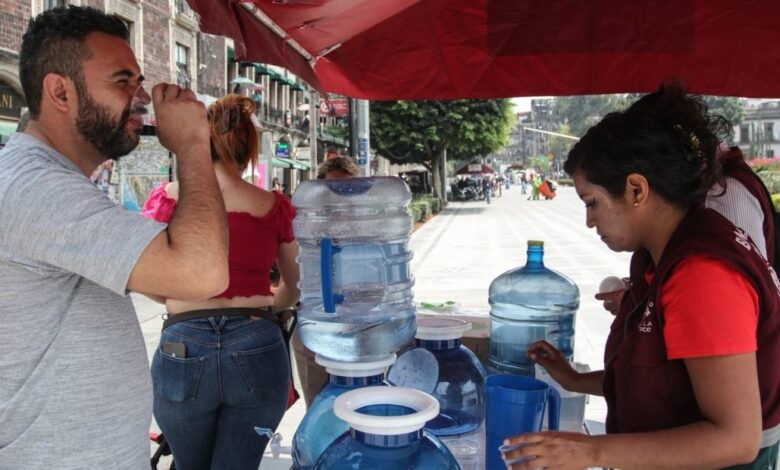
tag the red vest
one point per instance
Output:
(644, 390)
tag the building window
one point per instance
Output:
(182, 65)
(183, 8)
(744, 134)
(770, 153)
(769, 133)
(131, 32)
(49, 4)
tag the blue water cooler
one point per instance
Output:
(320, 426)
(356, 286)
(386, 432)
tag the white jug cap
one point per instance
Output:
(355, 369)
(346, 405)
(441, 328)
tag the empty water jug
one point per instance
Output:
(386, 432)
(529, 304)
(320, 426)
(441, 366)
(356, 286)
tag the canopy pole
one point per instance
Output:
(270, 24)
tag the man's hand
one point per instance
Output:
(181, 119)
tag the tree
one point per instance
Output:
(421, 131)
(582, 112)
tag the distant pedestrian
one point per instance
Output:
(487, 187)
(523, 183)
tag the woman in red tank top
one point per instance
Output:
(222, 367)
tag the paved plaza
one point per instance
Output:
(460, 251)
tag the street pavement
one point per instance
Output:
(461, 250)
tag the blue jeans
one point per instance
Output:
(234, 376)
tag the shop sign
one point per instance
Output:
(337, 107)
(283, 150)
(11, 102)
(303, 153)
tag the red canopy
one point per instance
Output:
(438, 49)
(474, 168)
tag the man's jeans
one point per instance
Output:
(234, 376)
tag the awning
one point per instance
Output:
(442, 49)
(262, 69)
(289, 163)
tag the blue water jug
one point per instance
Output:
(529, 304)
(386, 432)
(320, 426)
(356, 285)
(441, 366)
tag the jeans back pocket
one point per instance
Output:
(264, 369)
(176, 379)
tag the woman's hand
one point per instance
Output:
(551, 450)
(547, 356)
(612, 297)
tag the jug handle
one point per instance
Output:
(327, 251)
(553, 409)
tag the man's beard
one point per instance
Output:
(96, 126)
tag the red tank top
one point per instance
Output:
(254, 241)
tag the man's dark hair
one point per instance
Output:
(54, 43)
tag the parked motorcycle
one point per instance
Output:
(466, 190)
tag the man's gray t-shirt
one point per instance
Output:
(75, 389)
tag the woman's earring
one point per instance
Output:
(636, 204)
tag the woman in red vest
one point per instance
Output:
(691, 376)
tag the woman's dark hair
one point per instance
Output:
(54, 43)
(667, 136)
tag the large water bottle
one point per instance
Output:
(441, 366)
(529, 304)
(356, 286)
(320, 426)
(386, 432)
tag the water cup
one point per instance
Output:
(515, 405)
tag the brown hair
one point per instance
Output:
(233, 134)
(343, 164)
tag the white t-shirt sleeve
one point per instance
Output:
(741, 208)
(58, 217)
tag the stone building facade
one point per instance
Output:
(165, 37)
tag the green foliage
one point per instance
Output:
(560, 146)
(419, 131)
(579, 113)
(776, 201)
(539, 162)
(420, 210)
(424, 206)
(769, 172)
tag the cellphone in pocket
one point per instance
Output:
(174, 349)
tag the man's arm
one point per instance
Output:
(188, 260)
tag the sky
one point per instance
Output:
(524, 104)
